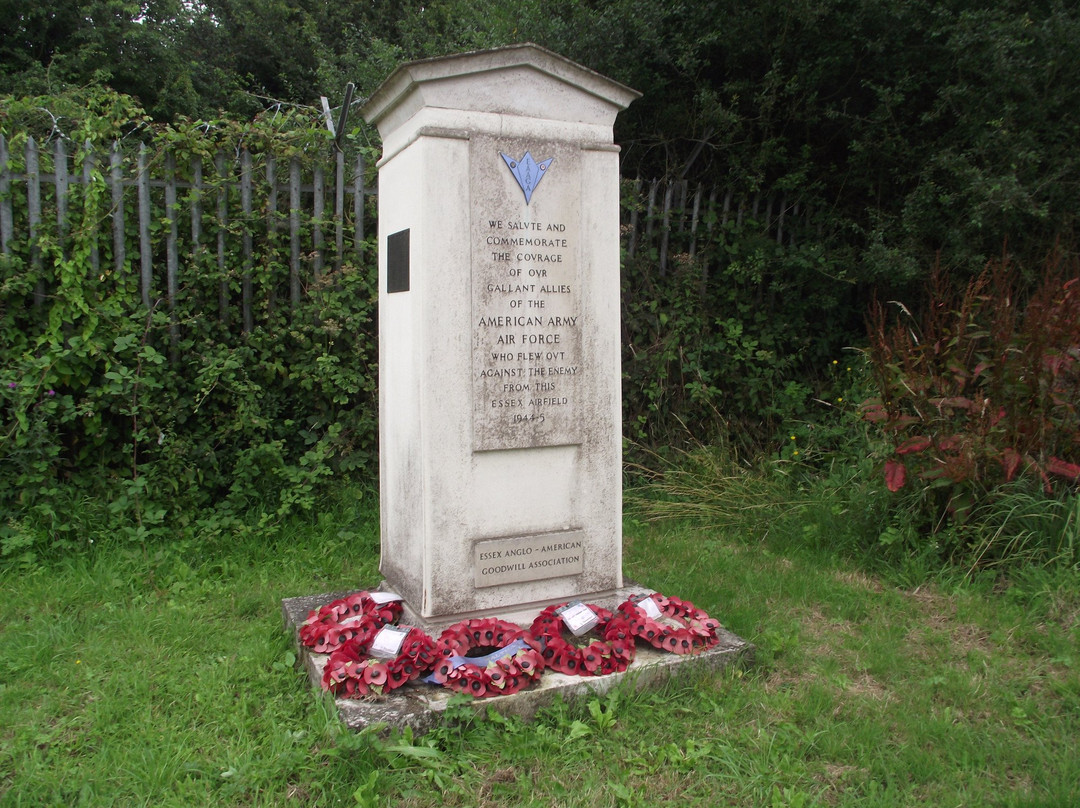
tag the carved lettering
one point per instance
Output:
(526, 318)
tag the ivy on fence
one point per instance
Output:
(185, 321)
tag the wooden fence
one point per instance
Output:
(228, 205)
(676, 217)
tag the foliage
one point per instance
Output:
(981, 390)
(727, 342)
(902, 128)
(161, 410)
(910, 126)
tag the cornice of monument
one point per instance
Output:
(425, 74)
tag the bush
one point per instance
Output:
(172, 414)
(728, 343)
(978, 391)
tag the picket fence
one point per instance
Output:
(675, 217)
(241, 206)
(231, 207)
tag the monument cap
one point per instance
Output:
(509, 89)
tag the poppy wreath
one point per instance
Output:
(350, 673)
(356, 616)
(697, 633)
(500, 676)
(613, 653)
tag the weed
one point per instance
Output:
(979, 391)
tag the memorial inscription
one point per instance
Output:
(527, 357)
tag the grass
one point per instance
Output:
(164, 677)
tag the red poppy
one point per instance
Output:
(509, 665)
(442, 671)
(375, 673)
(591, 661)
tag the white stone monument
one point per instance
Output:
(499, 375)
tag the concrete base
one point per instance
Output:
(420, 706)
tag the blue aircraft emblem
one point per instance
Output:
(527, 172)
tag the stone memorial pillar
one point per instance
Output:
(499, 374)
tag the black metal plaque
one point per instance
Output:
(397, 261)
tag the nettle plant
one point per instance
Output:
(982, 389)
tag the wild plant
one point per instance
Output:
(980, 388)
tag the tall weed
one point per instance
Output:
(983, 387)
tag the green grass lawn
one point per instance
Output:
(164, 677)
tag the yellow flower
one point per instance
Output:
(835, 362)
(793, 437)
(795, 453)
(839, 400)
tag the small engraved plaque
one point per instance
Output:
(528, 558)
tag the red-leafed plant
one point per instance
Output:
(982, 388)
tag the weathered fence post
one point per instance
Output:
(271, 225)
(145, 247)
(172, 258)
(294, 231)
(318, 206)
(339, 207)
(248, 316)
(116, 182)
(7, 218)
(221, 167)
(33, 213)
(62, 185)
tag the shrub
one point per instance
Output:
(979, 390)
(166, 411)
(720, 346)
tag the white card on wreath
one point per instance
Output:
(387, 642)
(649, 606)
(385, 597)
(578, 617)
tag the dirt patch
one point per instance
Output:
(859, 580)
(866, 686)
(785, 680)
(817, 627)
(967, 638)
(931, 603)
(836, 779)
